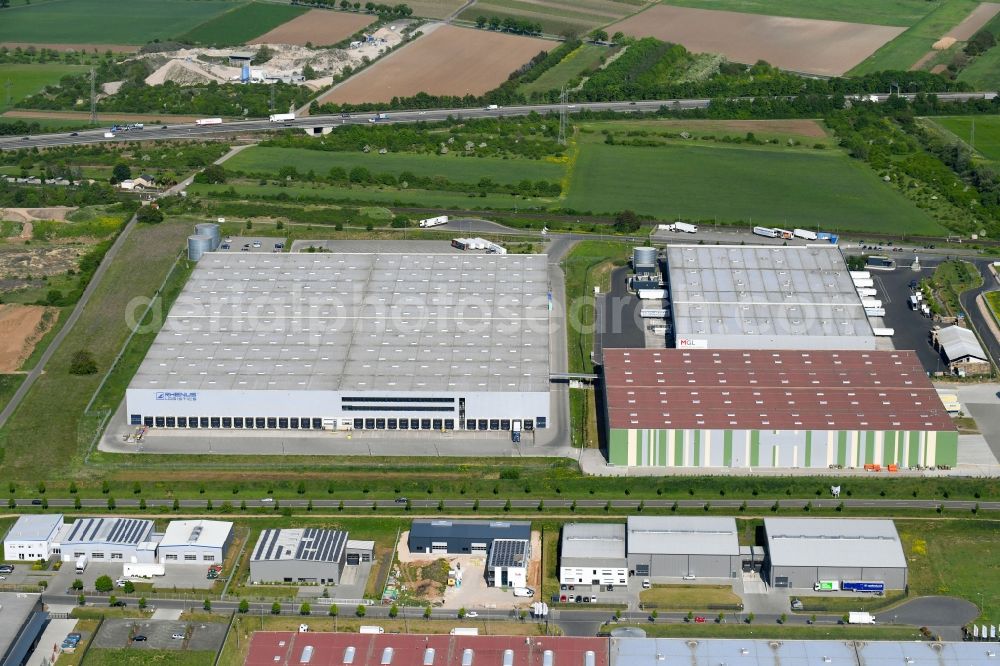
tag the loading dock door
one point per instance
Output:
(354, 559)
(781, 581)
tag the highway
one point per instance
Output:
(189, 131)
(490, 505)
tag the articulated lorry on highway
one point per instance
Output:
(208, 121)
(281, 117)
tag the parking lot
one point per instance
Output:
(912, 330)
(252, 244)
(198, 636)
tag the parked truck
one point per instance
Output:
(81, 564)
(860, 618)
(210, 121)
(142, 570)
(281, 117)
(766, 232)
(827, 586)
(862, 586)
(804, 234)
(434, 221)
(684, 227)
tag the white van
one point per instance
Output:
(523, 592)
(370, 629)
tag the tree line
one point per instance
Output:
(509, 24)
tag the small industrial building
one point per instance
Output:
(311, 341)
(463, 536)
(507, 564)
(359, 552)
(665, 547)
(764, 297)
(804, 551)
(195, 542)
(302, 555)
(31, 536)
(22, 621)
(960, 349)
(112, 540)
(774, 409)
(593, 554)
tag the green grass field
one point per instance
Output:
(583, 58)
(881, 12)
(987, 132)
(98, 22)
(8, 385)
(904, 51)
(452, 167)
(804, 188)
(146, 656)
(26, 80)
(242, 24)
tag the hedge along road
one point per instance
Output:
(485, 504)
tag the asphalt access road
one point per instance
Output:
(495, 502)
(189, 131)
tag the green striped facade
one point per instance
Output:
(781, 448)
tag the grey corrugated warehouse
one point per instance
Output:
(103, 540)
(305, 555)
(351, 341)
(679, 546)
(804, 551)
(765, 297)
(593, 554)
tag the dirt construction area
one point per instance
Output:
(828, 48)
(318, 27)
(445, 61)
(425, 577)
(21, 327)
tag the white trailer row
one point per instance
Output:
(683, 227)
(478, 244)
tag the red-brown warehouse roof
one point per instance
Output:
(770, 390)
(284, 648)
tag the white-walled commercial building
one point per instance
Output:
(195, 542)
(804, 551)
(351, 341)
(31, 536)
(593, 554)
(664, 547)
(507, 564)
(103, 540)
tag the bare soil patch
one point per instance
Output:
(31, 214)
(317, 26)
(976, 19)
(828, 48)
(447, 61)
(100, 48)
(21, 327)
(35, 262)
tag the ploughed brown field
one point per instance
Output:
(447, 61)
(319, 27)
(828, 48)
(21, 327)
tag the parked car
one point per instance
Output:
(645, 584)
(139, 638)
(699, 619)
(472, 614)
(6, 568)
(401, 500)
(75, 636)
(36, 502)
(119, 604)
(179, 637)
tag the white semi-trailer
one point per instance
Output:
(434, 221)
(804, 234)
(281, 117)
(208, 121)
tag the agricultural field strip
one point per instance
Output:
(529, 8)
(804, 45)
(317, 26)
(882, 12)
(242, 24)
(90, 22)
(26, 80)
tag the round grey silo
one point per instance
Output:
(198, 245)
(644, 257)
(209, 229)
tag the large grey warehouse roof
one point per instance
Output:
(593, 541)
(833, 542)
(307, 544)
(34, 527)
(682, 535)
(362, 322)
(739, 296)
(470, 529)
